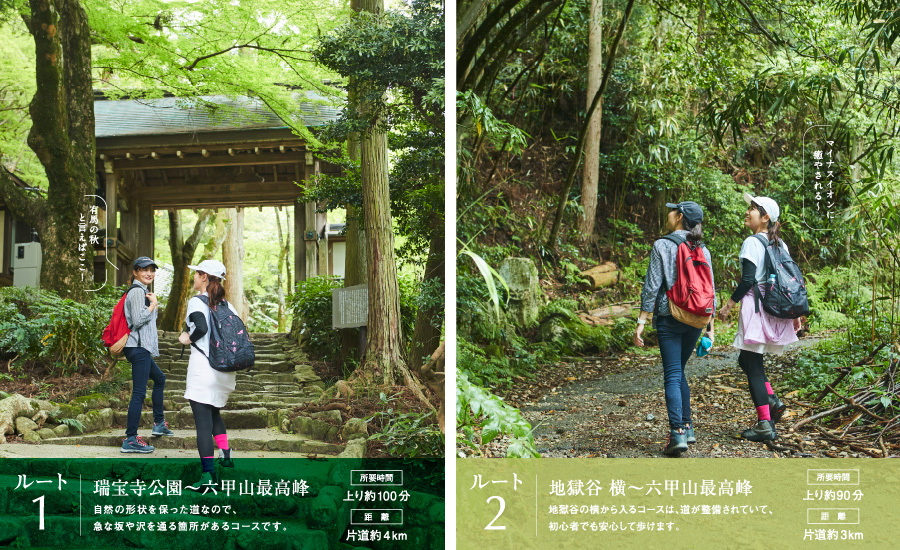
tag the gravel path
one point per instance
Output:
(615, 408)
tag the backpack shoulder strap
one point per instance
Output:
(132, 287)
(677, 239)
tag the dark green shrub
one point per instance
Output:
(310, 305)
(59, 333)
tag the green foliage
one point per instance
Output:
(413, 42)
(563, 331)
(404, 97)
(478, 408)
(17, 86)
(61, 334)
(311, 305)
(73, 423)
(57, 416)
(411, 435)
(187, 49)
(820, 365)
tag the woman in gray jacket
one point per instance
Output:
(140, 349)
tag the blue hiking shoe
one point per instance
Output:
(161, 429)
(689, 434)
(135, 444)
(677, 443)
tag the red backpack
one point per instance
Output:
(118, 328)
(692, 294)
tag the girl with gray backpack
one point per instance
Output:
(219, 346)
(772, 295)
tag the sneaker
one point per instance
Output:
(677, 443)
(224, 459)
(776, 407)
(135, 444)
(161, 429)
(207, 482)
(689, 434)
(763, 430)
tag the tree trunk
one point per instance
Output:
(427, 333)
(182, 257)
(563, 196)
(383, 363)
(212, 246)
(233, 258)
(355, 245)
(282, 254)
(287, 253)
(62, 137)
(591, 178)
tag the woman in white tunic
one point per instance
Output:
(207, 389)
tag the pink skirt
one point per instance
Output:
(761, 332)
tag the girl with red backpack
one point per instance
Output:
(207, 389)
(680, 292)
(758, 331)
(142, 345)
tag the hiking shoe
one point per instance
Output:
(677, 443)
(776, 407)
(207, 482)
(161, 429)
(689, 434)
(135, 444)
(224, 459)
(763, 430)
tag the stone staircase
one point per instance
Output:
(256, 413)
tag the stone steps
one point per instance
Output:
(264, 396)
(250, 417)
(246, 439)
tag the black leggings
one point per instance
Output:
(752, 365)
(209, 423)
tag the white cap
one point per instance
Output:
(769, 205)
(210, 267)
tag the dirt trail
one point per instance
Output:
(616, 408)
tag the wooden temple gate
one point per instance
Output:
(162, 155)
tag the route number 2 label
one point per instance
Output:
(491, 526)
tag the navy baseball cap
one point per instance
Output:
(691, 211)
(143, 262)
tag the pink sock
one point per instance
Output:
(762, 413)
(221, 441)
(769, 389)
(208, 457)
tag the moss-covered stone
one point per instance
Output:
(562, 329)
(96, 420)
(333, 416)
(92, 401)
(61, 431)
(25, 424)
(354, 449)
(32, 437)
(524, 290)
(68, 410)
(46, 433)
(354, 429)
(317, 429)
